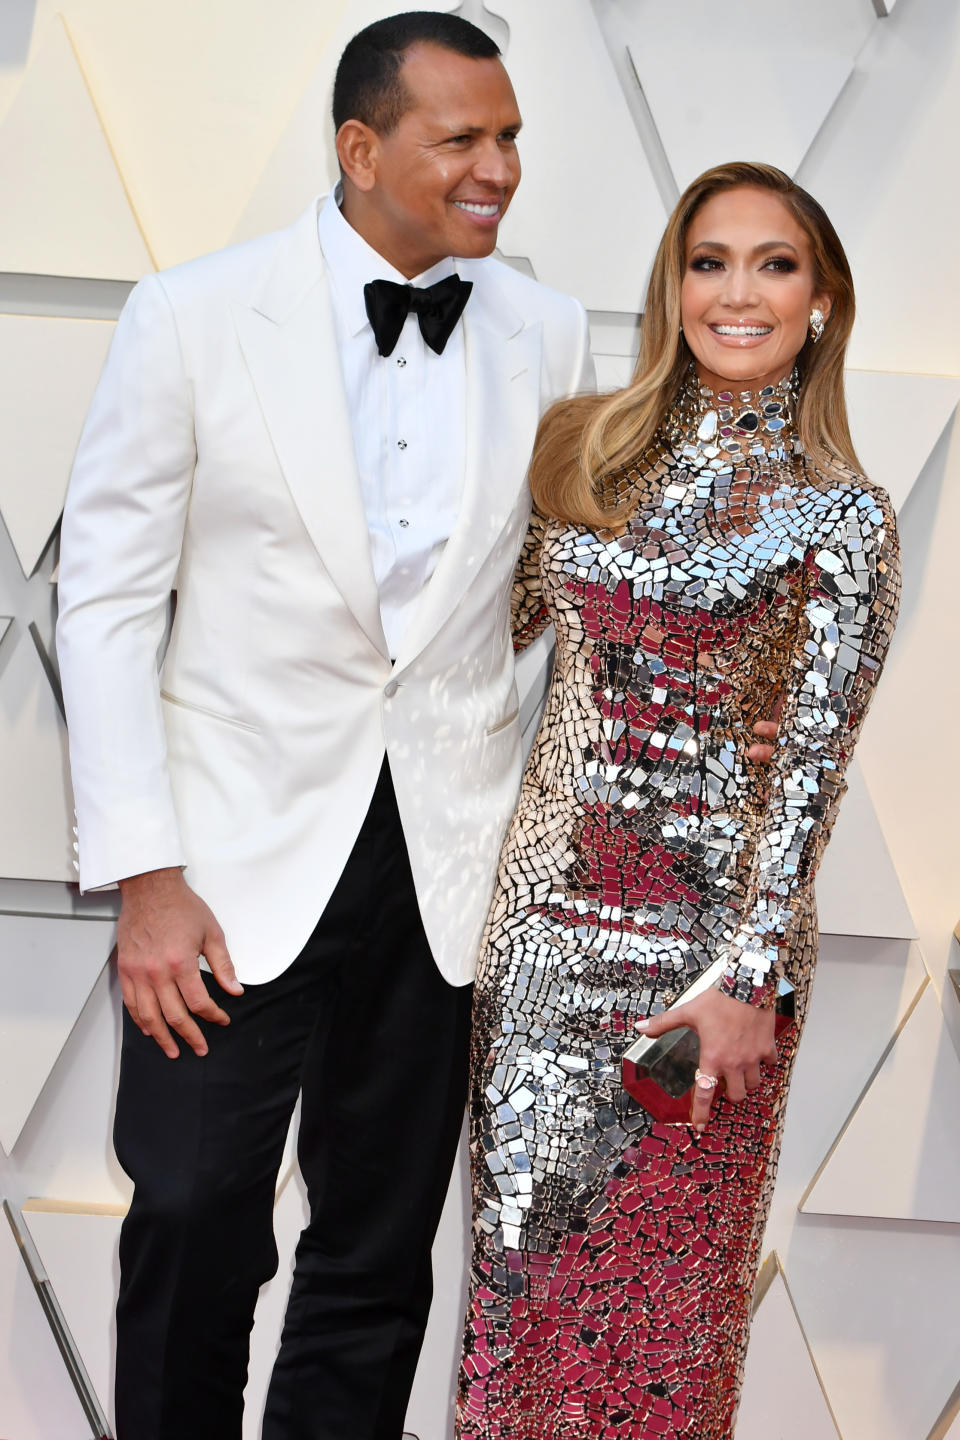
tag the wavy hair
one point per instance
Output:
(583, 440)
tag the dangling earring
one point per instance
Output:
(817, 322)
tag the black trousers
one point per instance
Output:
(365, 1027)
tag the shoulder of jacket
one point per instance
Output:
(530, 297)
(222, 274)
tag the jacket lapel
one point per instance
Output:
(289, 342)
(502, 410)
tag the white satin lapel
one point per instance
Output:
(288, 338)
(502, 411)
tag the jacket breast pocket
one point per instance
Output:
(209, 714)
(502, 724)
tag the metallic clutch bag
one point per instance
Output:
(660, 1072)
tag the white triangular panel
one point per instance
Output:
(66, 1145)
(490, 21)
(304, 162)
(862, 991)
(895, 421)
(898, 1158)
(48, 371)
(290, 1215)
(429, 1410)
(47, 969)
(782, 1394)
(858, 892)
(878, 1305)
(36, 822)
(703, 121)
(65, 210)
(572, 185)
(79, 1254)
(37, 1399)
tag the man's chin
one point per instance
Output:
(478, 247)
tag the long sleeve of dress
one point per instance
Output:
(848, 614)
(528, 609)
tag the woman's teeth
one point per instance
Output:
(487, 211)
(741, 329)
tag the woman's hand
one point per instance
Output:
(735, 1040)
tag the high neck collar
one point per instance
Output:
(723, 427)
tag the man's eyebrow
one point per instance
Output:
(481, 129)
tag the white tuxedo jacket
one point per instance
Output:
(217, 461)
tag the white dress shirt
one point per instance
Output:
(408, 416)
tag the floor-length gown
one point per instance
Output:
(614, 1257)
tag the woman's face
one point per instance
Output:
(748, 289)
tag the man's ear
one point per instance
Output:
(358, 150)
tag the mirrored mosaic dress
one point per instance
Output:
(614, 1257)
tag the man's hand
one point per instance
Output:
(164, 928)
(762, 754)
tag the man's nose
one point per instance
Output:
(493, 165)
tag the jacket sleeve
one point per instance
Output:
(849, 610)
(120, 547)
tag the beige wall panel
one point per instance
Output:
(64, 1151)
(192, 97)
(878, 1304)
(782, 1394)
(65, 209)
(793, 86)
(79, 1253)
(910, 1111)
(862, 993)
(47, 970)
(569, 95)
(884, 168)
(304, 162)
(37, 1400)
(48, 372)
(858, 892)
(908, 746)
(36, 820)
(895, 421)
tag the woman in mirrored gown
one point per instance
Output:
(706, 546)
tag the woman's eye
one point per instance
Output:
(706, 262)
(781, 265)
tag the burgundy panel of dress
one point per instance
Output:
(614, 1259)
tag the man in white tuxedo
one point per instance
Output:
(327, 467)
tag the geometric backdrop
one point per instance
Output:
(132, 137)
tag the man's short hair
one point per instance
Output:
(369, 84)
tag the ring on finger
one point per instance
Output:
(704, 1081)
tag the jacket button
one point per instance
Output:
(390, 689)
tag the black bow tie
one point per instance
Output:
(437, 307)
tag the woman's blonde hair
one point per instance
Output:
(589, 437)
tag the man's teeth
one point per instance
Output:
(486, 210)
(742, 329)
